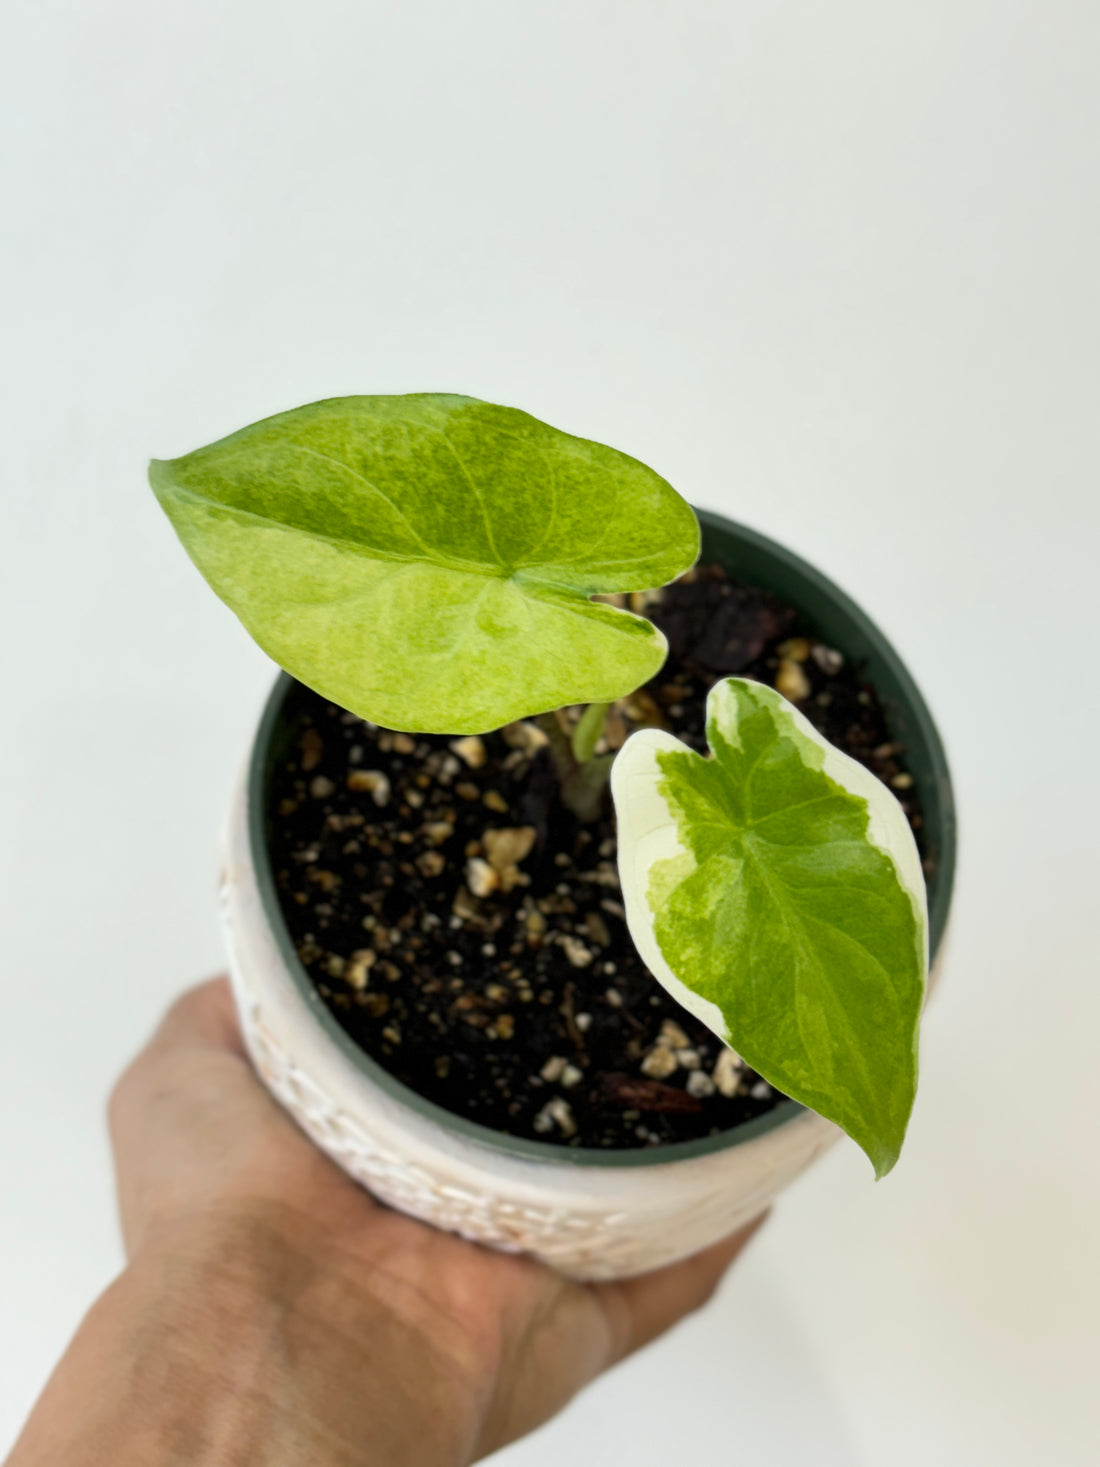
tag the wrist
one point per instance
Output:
(301, 1340)
(238, 1335)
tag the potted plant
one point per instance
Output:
(604, 1036)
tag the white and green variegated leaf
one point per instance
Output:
(429, 561)
(776, 891)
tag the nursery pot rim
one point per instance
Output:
(551, 1152)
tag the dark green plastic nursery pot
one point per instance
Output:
(840, 623)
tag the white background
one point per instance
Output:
(830, 268)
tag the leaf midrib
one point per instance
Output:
(750, 846)
(795, 923)
(339, 542)
(519, 574)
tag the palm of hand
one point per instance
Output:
(386, 1328)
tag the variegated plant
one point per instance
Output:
(776, 891)
(430, 561)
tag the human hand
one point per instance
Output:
(272, 1312)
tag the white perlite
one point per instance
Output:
(659, 1063)
(556, 1112)
(727, 1073)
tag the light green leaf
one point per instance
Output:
(428, 561)
(776, 891)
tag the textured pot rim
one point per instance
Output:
(549, 1152)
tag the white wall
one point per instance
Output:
(829, 268)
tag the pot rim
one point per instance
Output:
(938, 787)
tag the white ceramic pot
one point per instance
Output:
(587, 1221)
(589, 1214)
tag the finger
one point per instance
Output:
(204, 1015)
(199, 1027)
(640, 1309)
(188, 1115)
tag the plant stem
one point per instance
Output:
(583, 792)
(560, 749)
(583, 781)
(589, 731)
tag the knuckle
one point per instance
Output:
(184, 1009)
(201, 1012)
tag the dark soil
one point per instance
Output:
(467, 931)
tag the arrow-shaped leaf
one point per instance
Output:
(776, 891)
(428, 561)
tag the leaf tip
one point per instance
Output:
(881, 1151)
(159, 474)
